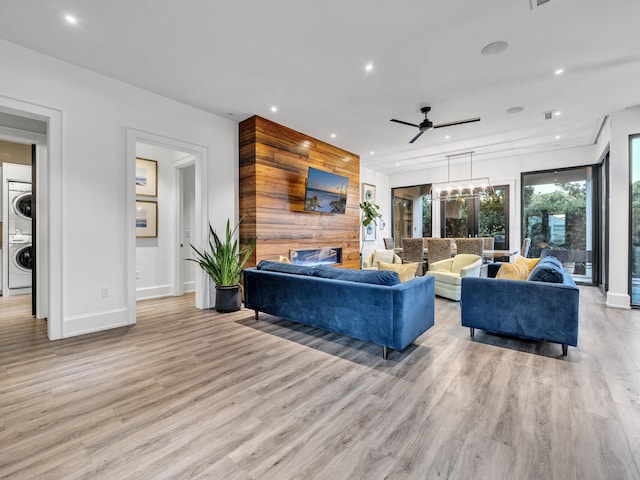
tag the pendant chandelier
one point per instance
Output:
(478, 187)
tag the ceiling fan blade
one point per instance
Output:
(417, 136)
(405, 123)
(460, 122)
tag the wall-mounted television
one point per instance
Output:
(326, 192)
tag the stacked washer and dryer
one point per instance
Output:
(17, 222)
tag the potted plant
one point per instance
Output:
(370, 215)
(223, 262)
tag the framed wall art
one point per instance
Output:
(146, 219)
(368, 193)
(146, 177)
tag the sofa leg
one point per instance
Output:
(257, 314)
(473, 332)
(565, 349)
(385, 353)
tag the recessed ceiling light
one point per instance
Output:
(368, 67)
(557, 137)
(494, 48)
(372, 152)
(447, 137)
(71, 19)
(556, 114)
(397, 164)
(274, 109)
(333, 135)
(559, 71)
(515, 110)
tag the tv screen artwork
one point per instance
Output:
(326, 192)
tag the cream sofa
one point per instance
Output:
(448, 274)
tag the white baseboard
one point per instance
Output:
(157, 291)
(94, 322)
(618, 300)
(188, 287)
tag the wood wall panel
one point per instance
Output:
(274, 162)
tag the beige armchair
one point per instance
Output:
(448, 274)
(371, 262)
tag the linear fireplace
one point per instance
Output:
(316, 256)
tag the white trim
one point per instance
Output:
(94, 322)
(200, 154)
(52, 250)
(157, 291)
(618, 300)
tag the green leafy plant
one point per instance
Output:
(370, 214)
(225, 259)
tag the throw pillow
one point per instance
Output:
(513, 271)
(547, 272)
(284, 259)
(529, 262)
(406, 271)
(382, 256)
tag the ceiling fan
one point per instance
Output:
(426, 124)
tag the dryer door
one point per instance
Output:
(22, 206)
(23, 260)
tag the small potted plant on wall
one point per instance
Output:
(370, 215)
(224, 263)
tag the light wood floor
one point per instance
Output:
(192, 394)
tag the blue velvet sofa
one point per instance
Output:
(370, 305)
(543, 307)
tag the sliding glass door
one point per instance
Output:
(558, 216)
(634, 148)
(477, 216)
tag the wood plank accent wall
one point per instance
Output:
(274, 162)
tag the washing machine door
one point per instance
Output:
(22, 205)
(23, 259)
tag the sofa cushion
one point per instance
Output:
(551, 260)
(529, 262)
(442, 276)
(513, 271)
(547, 272)
(375, 277)
(382, 256)
(270, 266)
(406, 271)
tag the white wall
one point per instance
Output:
(95, 112)
(188, 219)
(383, 200)
(616, 135)
(155, 257)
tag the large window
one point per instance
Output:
(635, 219)
(478, 216)
(411, 212)
(558, 216)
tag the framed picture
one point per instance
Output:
(146, 177)
(369, 232)
(146, 219)
(368, 193)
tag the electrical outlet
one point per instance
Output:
(137, 275)
(105, 292)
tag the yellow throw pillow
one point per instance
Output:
(513, 271)
(406, 271)
(284, 259)
(529, 262)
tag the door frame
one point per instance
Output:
(200, 155)
(49, 221)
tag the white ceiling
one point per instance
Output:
(238, 58)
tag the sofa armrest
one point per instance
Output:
(367, 262)
(472, 270)
(441, 265)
